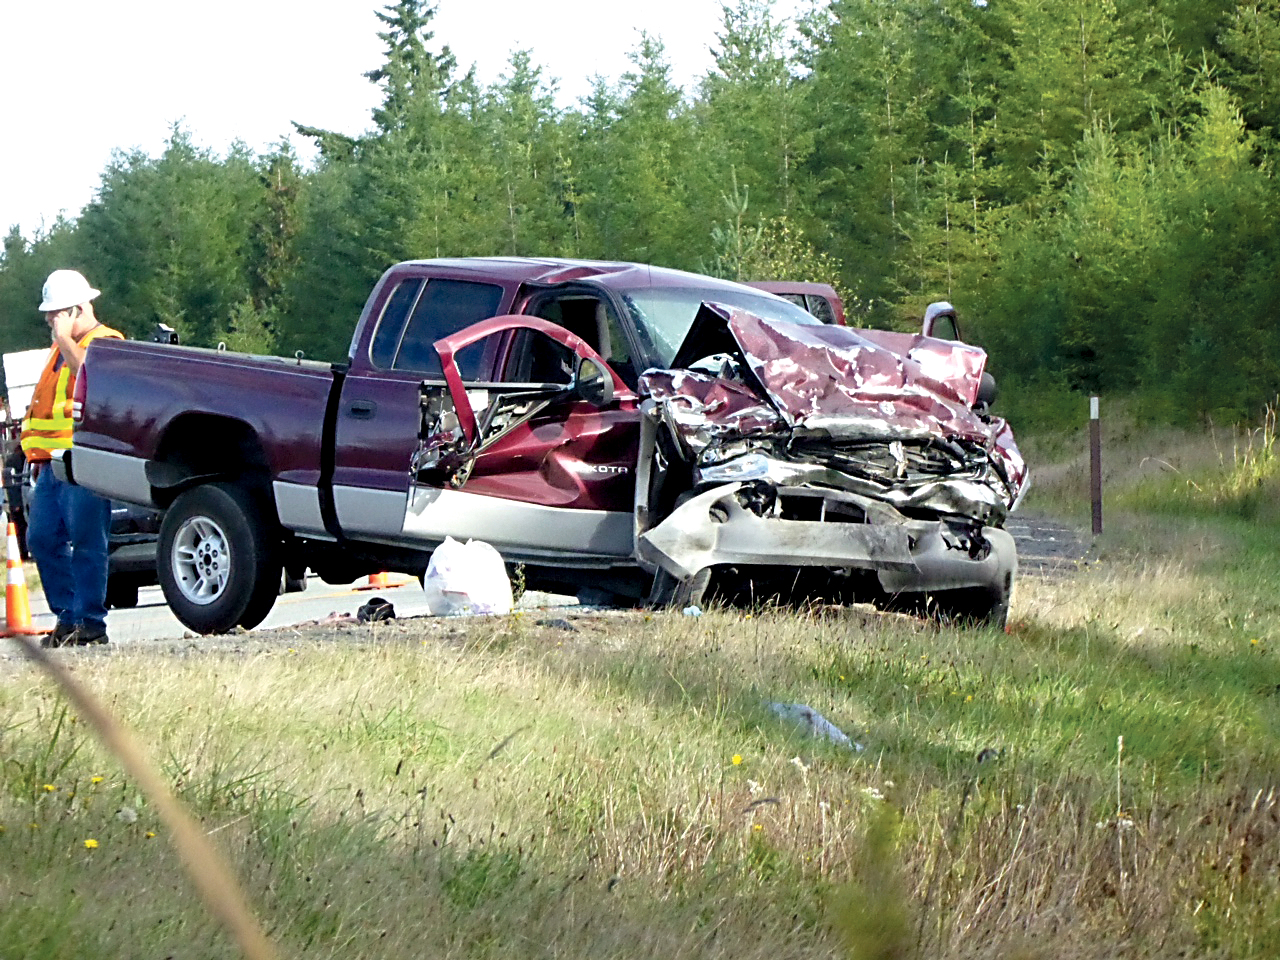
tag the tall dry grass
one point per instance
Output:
(1098, 782)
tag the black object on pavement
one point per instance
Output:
(376, 609)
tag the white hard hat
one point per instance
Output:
(66, 288)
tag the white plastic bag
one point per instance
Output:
(819, 726)
(467, 578)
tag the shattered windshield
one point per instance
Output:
(663, 315)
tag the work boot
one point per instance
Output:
(60, 637)
(88, 633)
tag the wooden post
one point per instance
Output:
(1095, 464)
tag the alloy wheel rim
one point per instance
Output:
(201, 560)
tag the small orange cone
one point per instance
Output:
(17, 606)
(377, 581)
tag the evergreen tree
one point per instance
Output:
(1214, 348)
(529, 148)
(333, 273)
(869, 101)
(750, 108)
(1069, 64)
(24, 265)
(1251, 45)
(644, 160)
(413, 79)
(170, 237)
(271, 246)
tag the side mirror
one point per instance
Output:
(987, 391)
(593, 384)
(940, 321)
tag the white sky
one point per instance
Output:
(80, 78)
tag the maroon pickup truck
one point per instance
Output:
(616, 428)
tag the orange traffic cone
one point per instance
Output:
(17, 606)
(377, 581)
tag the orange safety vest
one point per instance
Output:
(47, 426)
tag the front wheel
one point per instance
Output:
(668, 591)
(219, 559)
(979, 607)
(972, 606)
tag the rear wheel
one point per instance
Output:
(219, 559)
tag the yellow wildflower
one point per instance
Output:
(49, 788)
(91, 844)
(95, 779)
(150, 834)
(737, 759)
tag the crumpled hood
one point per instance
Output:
(837, 382)
(864, 383)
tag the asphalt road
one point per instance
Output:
(1047, 548)
(152, 619)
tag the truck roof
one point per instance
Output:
(553, 270)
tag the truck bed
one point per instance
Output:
(158, 394)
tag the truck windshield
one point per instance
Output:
(663, 315)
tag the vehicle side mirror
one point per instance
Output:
(987, 391)
(593, 384)
(940, 321)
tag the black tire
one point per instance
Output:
(667, 591)
(219, 559)
(972, 607)
(975, 607)
(122, 592)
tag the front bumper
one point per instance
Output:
(713, 528)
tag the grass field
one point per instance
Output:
(1101, 781)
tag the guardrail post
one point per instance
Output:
(1095, 464)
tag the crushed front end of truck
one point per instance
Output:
(833, 463)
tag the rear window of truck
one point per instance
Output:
(420, 312)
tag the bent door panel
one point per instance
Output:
(559, 482)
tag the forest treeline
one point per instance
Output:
(1089, 181)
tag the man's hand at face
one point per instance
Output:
(61, 322)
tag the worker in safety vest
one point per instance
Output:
(67, 526)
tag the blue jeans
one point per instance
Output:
(67, 531)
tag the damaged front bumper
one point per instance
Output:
(724, 526)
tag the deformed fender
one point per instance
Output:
(940, 565)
